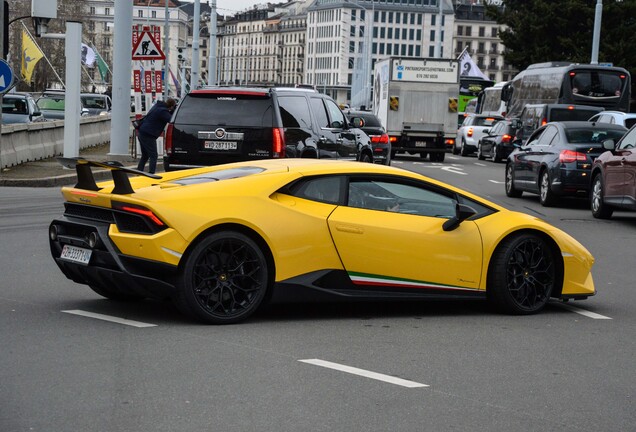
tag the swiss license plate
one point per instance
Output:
(420, 143)
(76, 254)
(220, 145)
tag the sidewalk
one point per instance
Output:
(49, 173)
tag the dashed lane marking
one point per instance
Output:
(584, 312)
(109, 318)
(364, 373)
(496, 181)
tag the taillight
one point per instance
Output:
(506, 138)
(380, 139)
(449, 141)
(138, 210)
(167, 141)
(571, 156)
(278, 143)
(393, 139)
(544, 121)
(470, 132)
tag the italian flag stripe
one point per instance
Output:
(375, 280)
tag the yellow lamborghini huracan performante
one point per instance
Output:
(221, 241)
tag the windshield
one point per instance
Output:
(51, 104)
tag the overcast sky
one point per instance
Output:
(230, 7)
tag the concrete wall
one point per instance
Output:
(20, 143)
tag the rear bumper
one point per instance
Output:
(572, 182)
(108, 267)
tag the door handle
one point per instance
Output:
(351, 229)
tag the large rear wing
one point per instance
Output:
(86, 180)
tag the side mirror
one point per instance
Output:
(357, 122)
(609, 144)
(486, 131)
(336, 124)
(462, 212)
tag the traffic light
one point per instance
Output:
(5, 31)
(180, 55)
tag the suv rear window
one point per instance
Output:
(237, 110)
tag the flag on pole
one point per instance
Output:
(101, 66)
(468, 68)
(88, 56)
(31, 54)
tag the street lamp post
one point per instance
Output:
(212, 72)
(597, 31)
(368, 40)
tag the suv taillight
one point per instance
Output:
(380, 139)
(506, 138)
(167, 142)
(278, 143)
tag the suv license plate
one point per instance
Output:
(420, 143)
(76, 254)
(220, 145)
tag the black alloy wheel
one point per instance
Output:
(522, 275)
(511, 191)
(600, 210)
(224, 279)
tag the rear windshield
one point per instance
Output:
(592, 135)
(564, 114)
(597, 83)
(370, 120)
(226, 110)
(630, 122)
(51, 104)
(485, 121)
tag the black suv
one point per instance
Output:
(230, 124)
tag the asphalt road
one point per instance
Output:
(433, 366)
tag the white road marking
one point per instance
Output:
(583, 312)
(496, 182)
(454, 170)
(109, 318)
(364, 373)
(479, 164)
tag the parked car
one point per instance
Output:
(20, 108)
(556, 160)
(533, 116)
(221, 241)
(231, 124)
(52, 106)
(497, 143)
(96, 103)
(379, 138)
(615, 117)
(471, 131)
(613, 177)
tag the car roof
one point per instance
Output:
(587, 124)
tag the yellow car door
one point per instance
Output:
(403, 244)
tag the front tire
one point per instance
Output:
(480, 155)
(224, 279)
(600, 210)
(511, 191)
(522, 275)
(366, 158)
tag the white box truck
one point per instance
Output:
(416, 101)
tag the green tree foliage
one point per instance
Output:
(539, 31)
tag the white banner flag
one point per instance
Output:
(88, 56)
(468, 67)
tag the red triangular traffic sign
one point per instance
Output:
(147, 48)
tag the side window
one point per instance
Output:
(534, 138)
(320, 112)
(393, 196)
(294, 111)
(336, 117)
(497, 129)
(549, 137)
(325, 189)
(629, 140)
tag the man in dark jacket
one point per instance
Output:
(150, 129)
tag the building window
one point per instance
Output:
(107, 11)
(153, 14)
(482, 31)
(493, 32)
(92, 10)
(140, 13)
(469, 31)
(481, 48)
(432, 37)
(460, 30)
(431, 51)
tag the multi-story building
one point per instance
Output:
(479, 35)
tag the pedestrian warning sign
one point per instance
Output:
(147, 48)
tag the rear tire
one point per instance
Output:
(522, 275)
(496, 157)
(463, 150)
(600, 210)
(547, 198)
(438, 157)
(511, 191)
(224, 279)
(366, 158)
(480, 155)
